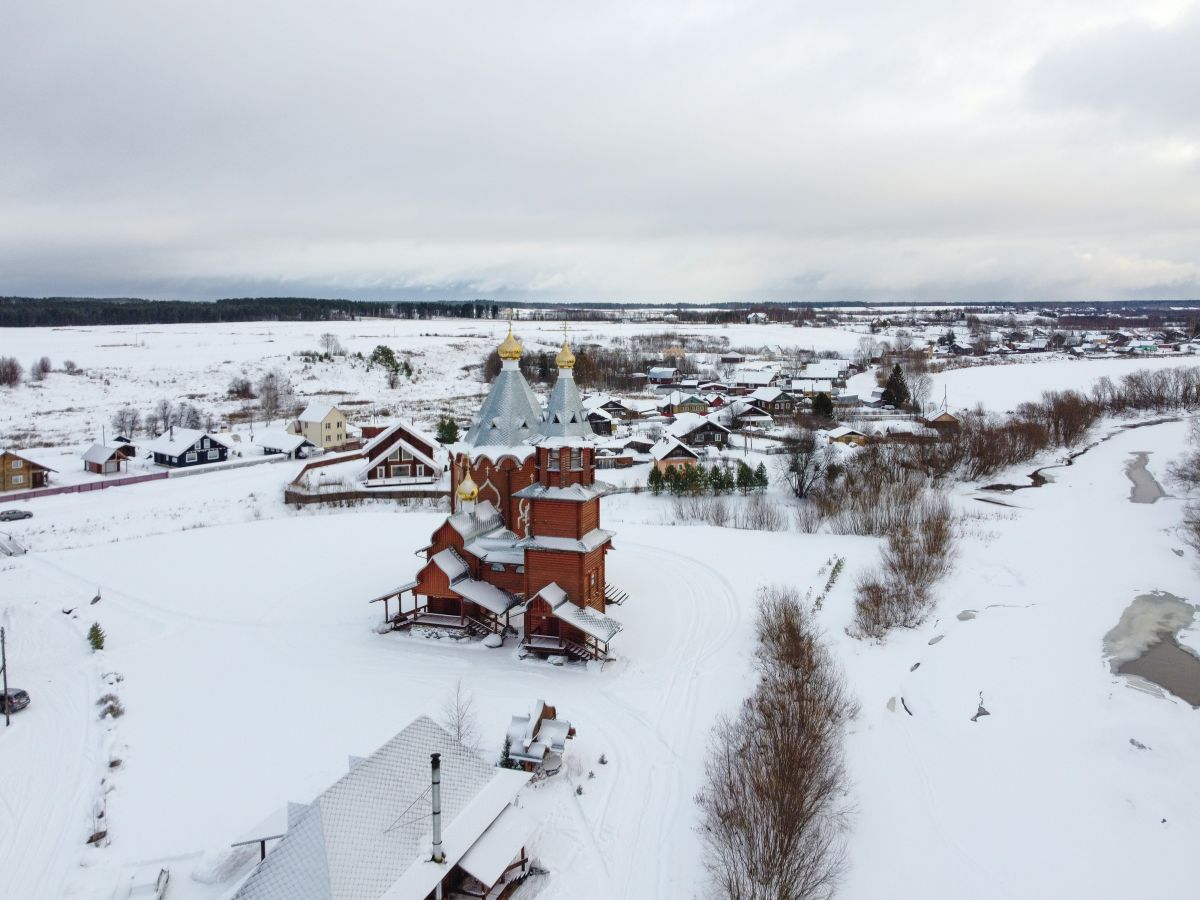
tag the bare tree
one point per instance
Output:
(151, 423)
(458, 716)
(275, 394)
(773, 812)
(806, 461)
(10, 371)
(164, 413)
(331, 345)
(126, 421)
(40, 369)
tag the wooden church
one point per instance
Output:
(524, 537)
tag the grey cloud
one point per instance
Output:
(681, 150)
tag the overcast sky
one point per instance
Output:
(1030, 149)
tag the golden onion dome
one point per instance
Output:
(467, 490)
(510, 348)
(565, 358)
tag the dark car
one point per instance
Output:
(16, 699)
(12, 515)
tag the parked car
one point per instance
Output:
(16, 699)
(12, 515)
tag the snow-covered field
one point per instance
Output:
(1002, 386)
(240, 633)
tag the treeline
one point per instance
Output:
(26, 312)
(774, 805)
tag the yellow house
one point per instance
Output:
(323, 424)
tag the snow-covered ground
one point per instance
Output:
(240, 633)
(1002, 385)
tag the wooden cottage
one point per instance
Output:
(401, 454)
(671, 453)
(102, 460)
(699, 431)
(19, 473)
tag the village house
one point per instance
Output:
(732, 358)
(182, 447)
(325, 425)
(671, 453)
(101, 460)
(757, 318)
(944, 423)
(679, 403)
(18, 472)
(810, 387)
(524, 528)
(779, 404)
(663, 375)
(747, 380)
(742, 414)
(699, 431)
(422, 816)
(601, 421)
(845, 435)
(537, 741)
(283, 443)
(401, 454)
(616, 408)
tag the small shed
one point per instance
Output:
(293, 446)
(101, 460)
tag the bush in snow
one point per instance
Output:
(40, 369)
(10, 371)
(772, 809)
(112, 707)
(96, 636)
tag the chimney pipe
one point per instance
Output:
(435, 763)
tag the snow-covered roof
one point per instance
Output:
(371, 449)
(316, 412)
(367, 836)
(813, 385)
(668, 444)
(663, 371)
(766, 394)
(844, 431)
(577, 492)
(486, 595)
(281, 440)
(590, 621)
(175, 441)
(495, 849)
(483, 517)
(597, 537)
(686, 423)
(510, 413)
(99, 454)
(450, 563)
(754, 376)
(565, 416)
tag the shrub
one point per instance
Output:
(10, 371)
(40, 369)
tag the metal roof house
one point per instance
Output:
(396, 827)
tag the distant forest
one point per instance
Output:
(26, 312)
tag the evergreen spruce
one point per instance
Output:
(822, 406)
(447, 430)
(895, 392)
(671, 480)
(761, 481)
(655, 481)
(506, 760)
(745, 478)
(96, 636)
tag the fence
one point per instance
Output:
(18, 496)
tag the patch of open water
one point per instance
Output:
(1144, 644)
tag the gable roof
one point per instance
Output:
(669, 445)
(99, 454)
(366, 836)
(281, 440)
(591, 622)
(175, 441)
(686, 423)
(316, 412)
(403, 434)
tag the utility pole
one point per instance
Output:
(4, 672)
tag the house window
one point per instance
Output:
(328, 425)
(553, 461)
(191, 456)
(380, 472)
(497, 567)
(18, 463)
(18, 479)
(520, 570)
(576, 458)
(203, 443)
(214, 454)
